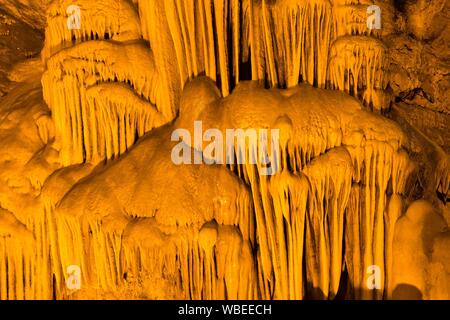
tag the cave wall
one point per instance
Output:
(363, 165)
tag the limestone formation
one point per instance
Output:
(312, 150)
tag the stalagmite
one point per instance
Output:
(415, 234)
(440, 288)
(392, 214)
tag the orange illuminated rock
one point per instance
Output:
(226, 149)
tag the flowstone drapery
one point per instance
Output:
(98, 188)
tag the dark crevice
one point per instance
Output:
(400, 5)
(412, 94)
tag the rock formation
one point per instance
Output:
(354, 206)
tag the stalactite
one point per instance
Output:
(42, 227)
(93, 243)
(200, 44)
(213, 263)
(359, 66)
(279, 53)
(331, 178)
(333, 204)
(18, 266)
(293, 37)
(116, 118)
(269, 30)
(114, 242)
(102, 61)
(155, 28)
(107, 247)
(344, 146)
(381, 167)
(351, 19)
(338, 165)
(72, 85)
(117, 20)
(289, 194)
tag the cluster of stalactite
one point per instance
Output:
(116, 20)
(324, 43)
(101, 101)
(331, 207)
(340, 182)
(203, 249)
(282, 43)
